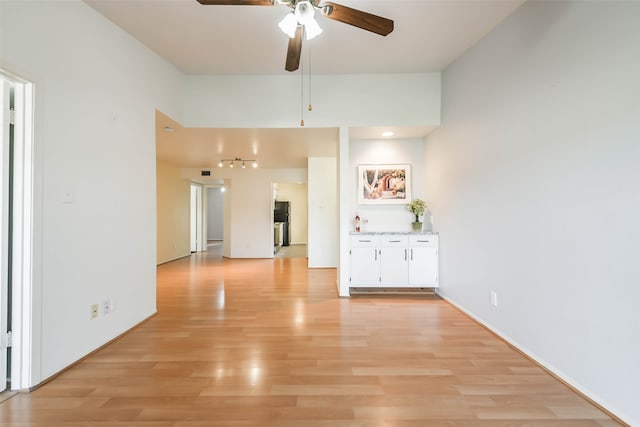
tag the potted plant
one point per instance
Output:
(417, 207)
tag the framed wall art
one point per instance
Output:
(384, 184)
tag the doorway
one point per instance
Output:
(290, 219)
(215, 217)
(16, 238)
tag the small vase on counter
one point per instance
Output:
(417, 207)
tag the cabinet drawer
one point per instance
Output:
(365, 241)
(423, 241)
(394, 241)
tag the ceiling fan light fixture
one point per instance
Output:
(312, 29)
(304, 11)
(255, 164)
(220, 164)
(289, 24)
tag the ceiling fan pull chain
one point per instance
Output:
(301, 93)
(310, 107)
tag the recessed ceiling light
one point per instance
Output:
(168, 129)
(387, 133)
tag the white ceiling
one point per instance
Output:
(428, 34)
(197, 39)
(272, 148)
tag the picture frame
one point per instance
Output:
(384, 184)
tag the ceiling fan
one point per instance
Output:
(301, 21)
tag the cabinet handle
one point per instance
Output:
(405, 254)
(364, 241)
(411, 254)
(423, 241)
(375, 251)
(394, 241)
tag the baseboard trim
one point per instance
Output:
(63, 370)
(173, 259)
(364, 291)
(567, 383)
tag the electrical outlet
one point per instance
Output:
(94, 311)
(107, 306)
(494, 298)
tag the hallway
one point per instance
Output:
(292, 251)
(268, 343)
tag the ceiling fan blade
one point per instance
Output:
(236, 2)
(294, 51)
(357, 18)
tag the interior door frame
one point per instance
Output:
(23, 314)
(196, 212)
(6, 96)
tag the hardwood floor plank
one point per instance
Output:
(268, 343)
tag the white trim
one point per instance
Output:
(23, 221)
(203, 238)
(6, 118)
(196, 212)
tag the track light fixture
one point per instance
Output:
(243, 162)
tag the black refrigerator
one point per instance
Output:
(281, 214)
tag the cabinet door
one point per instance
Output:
(394, 267)
(365, 267)
(423, 261)
(423, 267)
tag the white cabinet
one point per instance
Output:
(423, 260)
(365, 265)
(394, 260)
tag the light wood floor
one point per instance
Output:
(268, 343)
(292, 251)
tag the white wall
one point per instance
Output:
(215, 213)
(172, 213)
(96, 92)
(400, 151)
(345, 221)
(351, 100)
(323, 245)
(535, 186)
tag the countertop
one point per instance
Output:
(392, 233)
